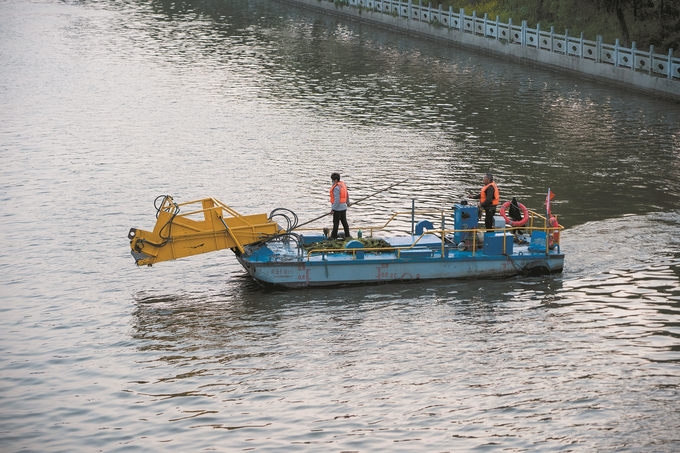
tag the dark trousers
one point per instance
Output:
(488, 216)
(340, 216)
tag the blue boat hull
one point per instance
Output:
(343, 269)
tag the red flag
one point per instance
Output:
(549, 197)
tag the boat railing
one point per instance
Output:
(443, 232)
(441, 215)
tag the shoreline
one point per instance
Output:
(589, 69)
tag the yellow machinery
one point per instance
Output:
(178, 235)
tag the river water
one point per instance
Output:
(106, 105)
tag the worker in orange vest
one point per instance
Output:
(488, 200)
(339, 204)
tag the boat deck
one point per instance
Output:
(425, 247)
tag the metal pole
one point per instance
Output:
(358, 201)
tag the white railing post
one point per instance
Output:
(632, 56)
(619, 51)
(670, 63)
(616, 53)
(552, 39)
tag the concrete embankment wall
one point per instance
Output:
(625, 78)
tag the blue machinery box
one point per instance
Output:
(537, 244)
(311, 238)
(493, 243)
(464, 218)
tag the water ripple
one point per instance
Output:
(107, 105)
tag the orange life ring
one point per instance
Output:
(525, 214)
(553, 231)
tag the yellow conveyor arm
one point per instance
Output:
(212, 227)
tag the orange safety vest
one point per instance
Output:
(496, 197)
(343, 192)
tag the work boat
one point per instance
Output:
(296, 257)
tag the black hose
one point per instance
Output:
(290, 224)
(168, 224)
(280, 238)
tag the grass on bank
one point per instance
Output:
(647, 22)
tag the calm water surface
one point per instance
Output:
(106, 105)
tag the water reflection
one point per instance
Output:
(251, 304)
(532, 128)
(619, 264)
(472, 355)
(107, 105)
(637, 306)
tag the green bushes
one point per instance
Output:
(646, 22)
